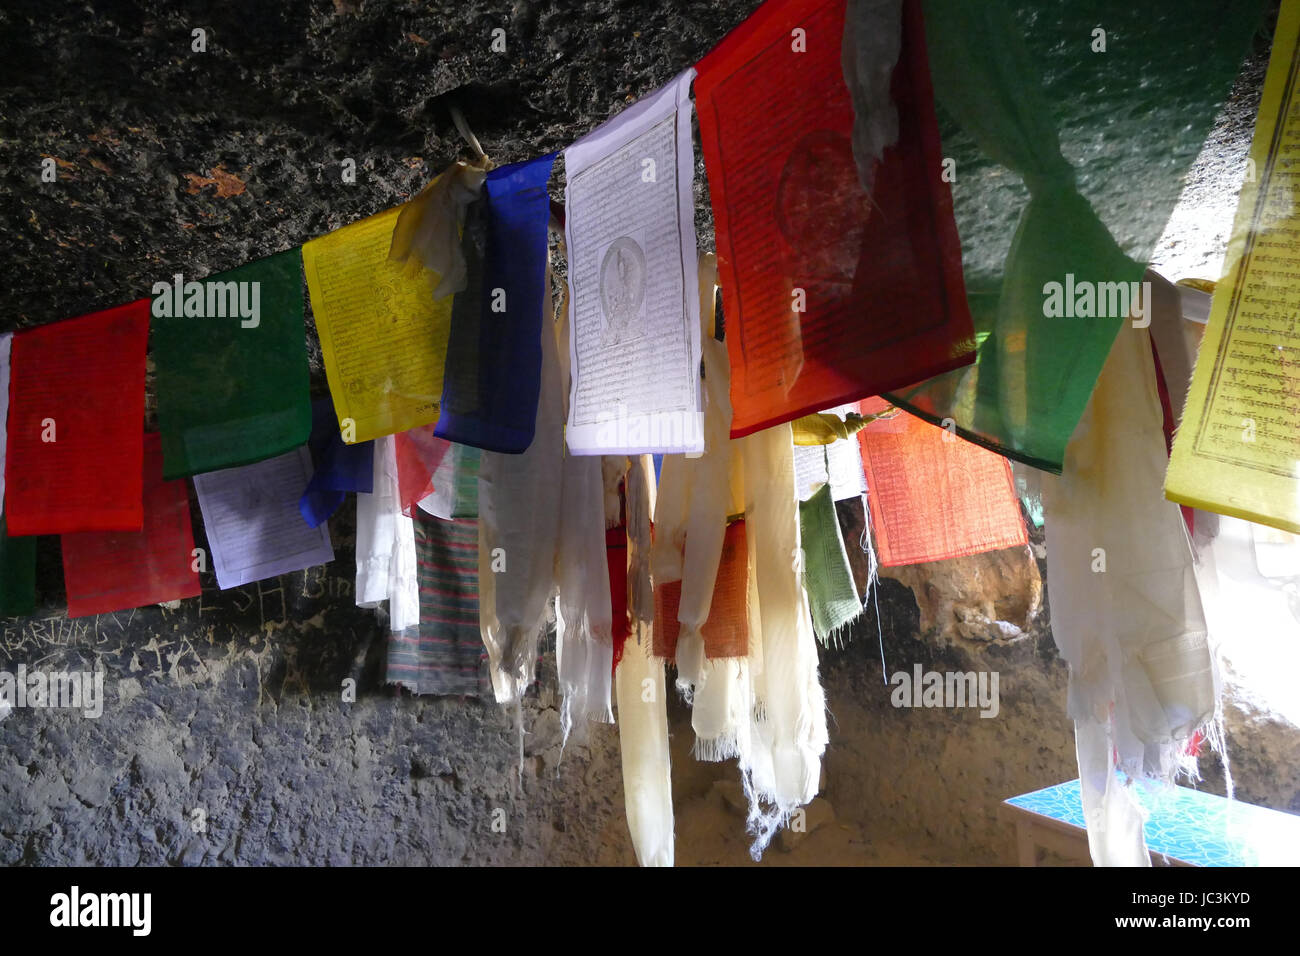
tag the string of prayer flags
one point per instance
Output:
(75, 452)
(828, 579)
(444, 654)
(933, 495)
(833, 293)
(630, 236)
(1238, 450)
(338, 468)
(107, 571)
(232, 375)
(494, 359)
(1087, 106)
(383, 335)
(255, 530)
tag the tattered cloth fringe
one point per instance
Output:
(721, 711)
(584, 646)
(827, 578)
(789, 711)
(1126, 610)
(584, 612)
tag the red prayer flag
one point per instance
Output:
(419, 452)
(115, 570)
(879, 276)
(76, 416)
(934, 495)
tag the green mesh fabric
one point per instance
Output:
(828, 579)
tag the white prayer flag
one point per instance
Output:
(630, 235)
(254, 527)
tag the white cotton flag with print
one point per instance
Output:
(630, 235)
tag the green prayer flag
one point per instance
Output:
(231, 359)
(17, 574)
(828, 579)
(1070, 126)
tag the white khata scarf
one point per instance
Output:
(789, 708)
(691, 512)
(1126, 611)
(386, 563)
(519, 522)
(583, 637)
(642, 694)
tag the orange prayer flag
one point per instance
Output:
(934, 495)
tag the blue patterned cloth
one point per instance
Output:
(1190, 826)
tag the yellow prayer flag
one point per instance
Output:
(382, 335)
(1237, 451)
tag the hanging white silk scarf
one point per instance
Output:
(691, 511)
(583, 643)
(789, 732)
(642, 693)
(1126, 612)
(519, 521)
(386, 568)
(1248, 574)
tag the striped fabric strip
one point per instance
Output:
(445, 655)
